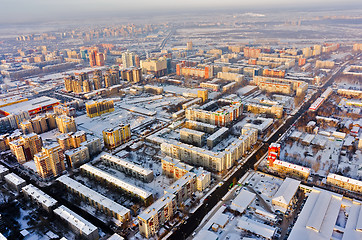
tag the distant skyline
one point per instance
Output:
(20, 11)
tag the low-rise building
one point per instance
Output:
(133, 190)
(344, 182)
(14, 181)
(42, 199)
(129, 168)
(95, 199)
(284, 197)
(78, 224)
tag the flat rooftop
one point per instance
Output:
(96, 197)
(75, 220)
(30, 105)
(39, 195)
(120, 183)
(126, 164)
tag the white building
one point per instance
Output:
(285, 194)
(325, 213)
(3, 171)
(14, 181)
(257, 228)
(78, 224)
(129, 168)
(242, 201)
(110, 179)
(77, 156)
(41, 198)
(183, 188)
(95, 199)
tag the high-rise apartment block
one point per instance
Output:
(26, 147)
(66, 124)
(71, 140)
(128, 59)
(114, 137)
(39, 124)
(50, 161)
(131, 74)
(97, 108)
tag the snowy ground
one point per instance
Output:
(320, 160)
(109, 120)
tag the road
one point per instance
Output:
(194, 220)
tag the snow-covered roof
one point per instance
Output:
(256, 227)
(217, 134)
(39, 195)
(286, 191)
(114, 180)
(308, 138)
(316, 104)
(191, 131)
(75, 220)
(292, 166)
(344, 179)
(157, 206)
(127, 164)
(3, 169)
(181, 183)
(318, 217)
(95, 196)
(115, 237)
(243, 200)
(205, 234)
(15, 179)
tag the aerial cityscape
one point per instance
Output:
(205, 120)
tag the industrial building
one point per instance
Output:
(33, 106)
(322, 214)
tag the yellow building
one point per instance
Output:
(344, 182)
(66, 124)
(116, 136)
(97, 108)
(50, 161)
(26, 147)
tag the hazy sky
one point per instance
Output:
(35, 10)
